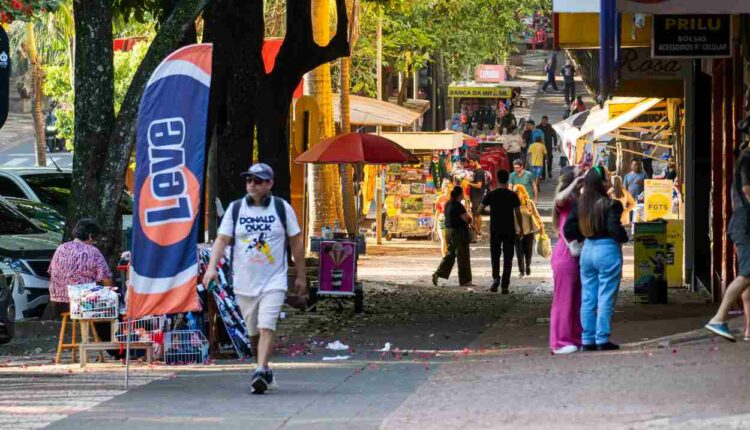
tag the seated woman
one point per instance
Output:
(76, 262)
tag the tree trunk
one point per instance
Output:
(94, 120)
(37, 108)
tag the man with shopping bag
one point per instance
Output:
(260, 228)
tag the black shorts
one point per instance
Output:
(475, 206)
(742, 245)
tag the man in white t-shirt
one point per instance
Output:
(259, 262)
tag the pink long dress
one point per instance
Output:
(565, 316)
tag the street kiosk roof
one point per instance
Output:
(372, 112)
(432, 141)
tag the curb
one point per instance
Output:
(682, 338)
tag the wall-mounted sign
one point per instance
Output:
(638, 64)
(4, 76)
(494, 73)
(653, 117)
(692, 36)
(480, 92)
(679, 6)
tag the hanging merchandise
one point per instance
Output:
(230, 313)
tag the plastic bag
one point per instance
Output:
(543, 245)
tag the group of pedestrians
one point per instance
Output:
(514, 220)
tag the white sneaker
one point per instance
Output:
(567, 349)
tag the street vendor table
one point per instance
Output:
(88, 344)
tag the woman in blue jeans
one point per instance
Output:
(596, 219)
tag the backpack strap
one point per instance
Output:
(236, 206)
(278, 204)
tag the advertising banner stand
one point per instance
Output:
(651, 262)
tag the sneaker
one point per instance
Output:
(259, 384)
(505, 290)
(588, 348)
(270, 380)
(521, 274)
(495, 284)
(721, 329)
(435, 279)
(528, 272)
(609, 346)
(567, 349)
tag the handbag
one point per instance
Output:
(543, 245)
(575, 247)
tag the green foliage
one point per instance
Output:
(126, 64)
(465, 32)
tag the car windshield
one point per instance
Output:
(54, 189)
(14, 222)
(42, 215)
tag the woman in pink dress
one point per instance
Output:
(565, 317)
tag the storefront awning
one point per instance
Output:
(432, 141)
(367, 111)
(596, 122)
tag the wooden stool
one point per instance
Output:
(74, 345)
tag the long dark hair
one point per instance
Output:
(593, 204)
(567, 176)
(617, 189)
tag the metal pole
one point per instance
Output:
(378, 188)
(127, 353)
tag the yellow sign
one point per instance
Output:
(480, 92)
(581, 31)
(675, 253)
(658, 199)
(647, 119)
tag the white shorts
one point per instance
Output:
(261, 311)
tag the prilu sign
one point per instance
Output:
(692, 36)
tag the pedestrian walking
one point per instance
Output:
(508, 123)
(550, 67)
(440, 204)
(259, 228)
(550, 142)
(596, 220)
(537, 159)
(530, 135)
(619, 193)
(457, 224)
(565, 314)
(528, 225)
(739, 232)
(504, 207)
(74, 263)
(568, 72)
(635, 180)
(513, 145)
(521, 176)
(577, 106)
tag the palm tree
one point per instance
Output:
(325, 199)
(346, 171)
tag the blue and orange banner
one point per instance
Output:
(170, 155)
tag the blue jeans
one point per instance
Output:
(601, 271)
(538, 171)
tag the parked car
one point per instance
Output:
(28, 250)
(41, 214)
(51, 186)
(9, 281)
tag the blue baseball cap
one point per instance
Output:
(259, 170)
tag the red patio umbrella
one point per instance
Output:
(357, 148)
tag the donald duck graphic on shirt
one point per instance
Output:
(257, 249)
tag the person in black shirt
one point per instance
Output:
(477, 190)
(568, 73)
(550, 142)
(457, 222)
(504, 211)
(596, 219)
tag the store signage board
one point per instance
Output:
(650, 118)
(658, 199)
(637, 64)
(575, 6)
(683, 6)
(691, 36)
(493, 73)
(480, 92)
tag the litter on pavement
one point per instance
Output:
(386, 348)
(336, 358)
